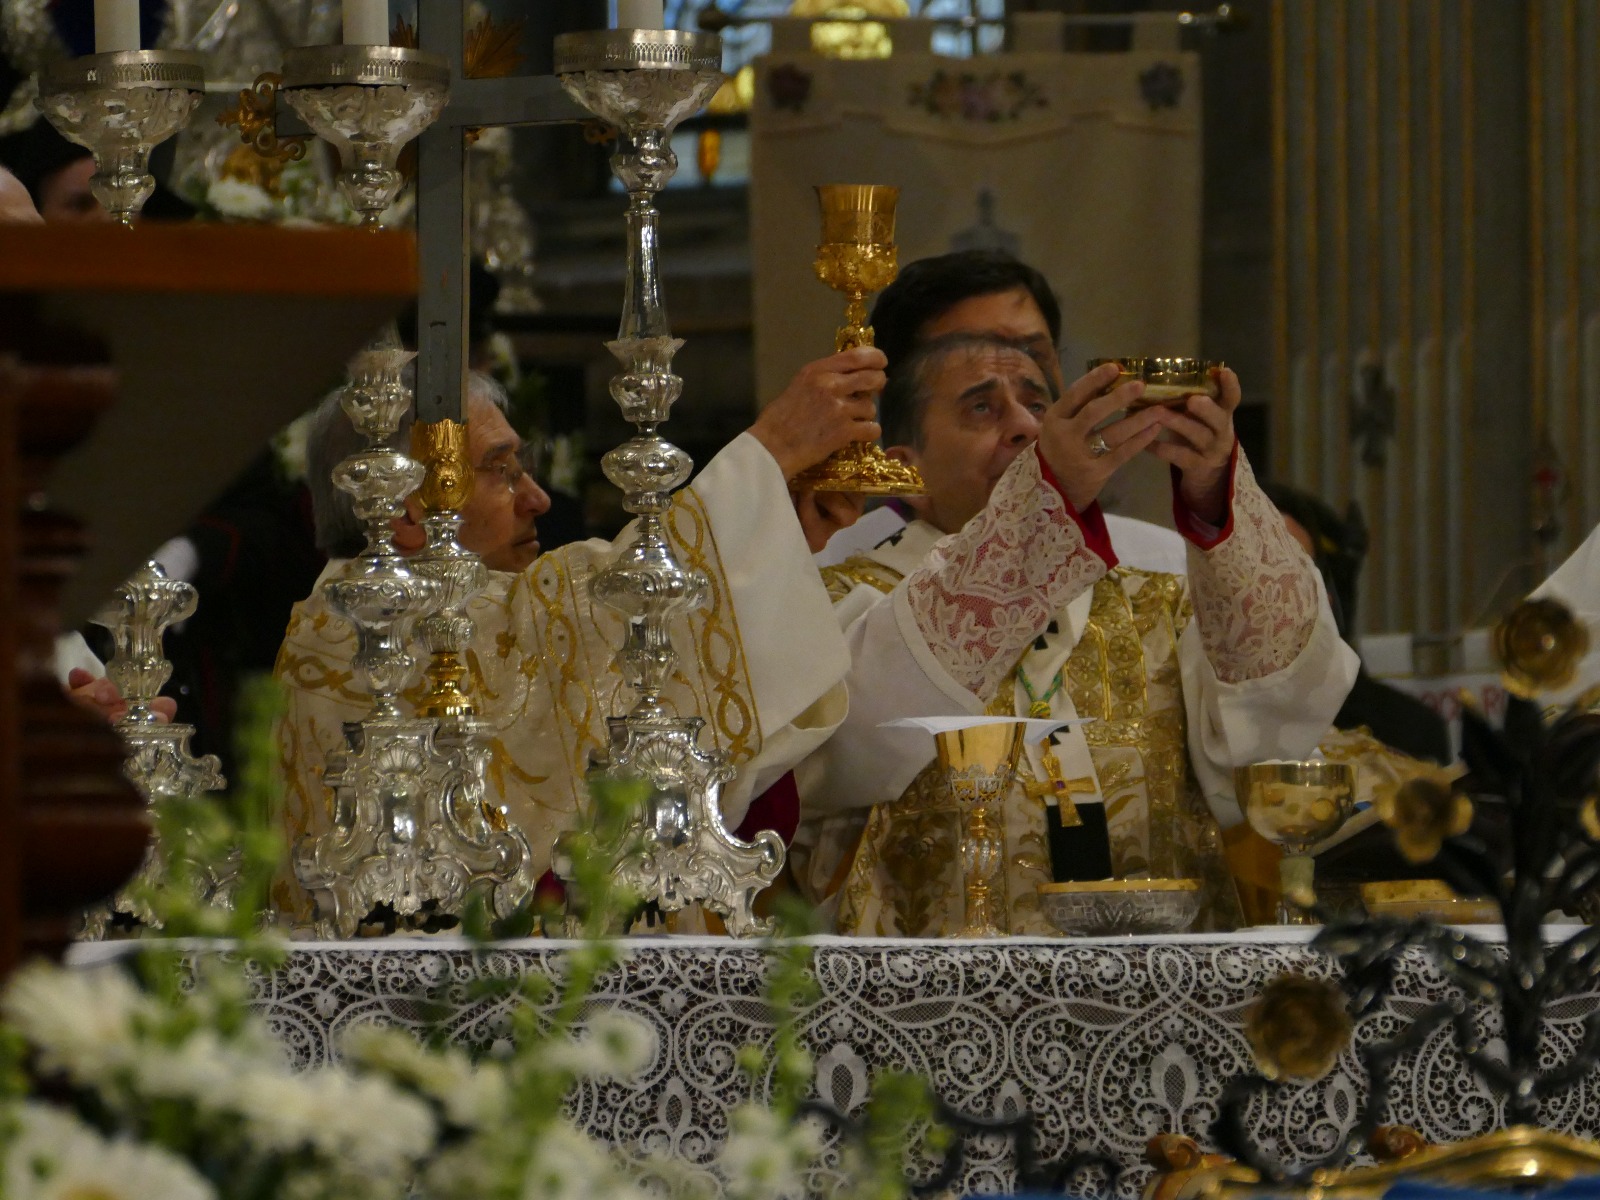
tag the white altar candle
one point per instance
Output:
(116, 26)
(366, 22)
(639, 14)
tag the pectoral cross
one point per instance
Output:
(1062, 789)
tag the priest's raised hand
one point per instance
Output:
(1081, 450)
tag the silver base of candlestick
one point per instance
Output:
(368, 101)
(159, 762)
(120, 107)
(411, 830)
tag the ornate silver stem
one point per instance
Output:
(677, 851)
(412, 827)
(369, 101)
(159, 762)
(120, 107)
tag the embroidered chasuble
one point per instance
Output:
(1124, 653)
(762, 663)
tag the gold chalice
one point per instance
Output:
(1295, 805)
(1167, 381)
(979, 764)
(857, 256)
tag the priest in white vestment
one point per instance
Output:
(1183, 678)
(762, 662)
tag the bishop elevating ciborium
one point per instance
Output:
(857, 256)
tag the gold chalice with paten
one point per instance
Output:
(979, 764)
(857, 256)
(1295, 805)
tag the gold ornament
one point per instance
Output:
(1422, 813)
(858, 256)
(256, 117)
(1539, 645)
(441, 446)
(1297, 1028)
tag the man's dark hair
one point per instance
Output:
(905, 396)
(930, 287)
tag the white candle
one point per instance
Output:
(366, 22)
(116, 26)
(640, 14)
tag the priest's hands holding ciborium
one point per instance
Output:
(1085, 442)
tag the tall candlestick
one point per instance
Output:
(366, 22)
(116, 26)
(639, 14)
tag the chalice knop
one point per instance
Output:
(1295, 805)
(857, 256)
(979, 764)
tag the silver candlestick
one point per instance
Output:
(369, 101)
(119, 107)
(677, 850)
(412, 828)
(159, 762)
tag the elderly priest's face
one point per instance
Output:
(498, 522)
(978, 405)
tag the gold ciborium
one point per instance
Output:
(857, 256)
(1168, 381)
(1295, 805)
(979, 764)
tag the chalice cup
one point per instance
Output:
(1295, 805)
(979, 764)
(857, 256)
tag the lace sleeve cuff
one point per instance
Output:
(986, 592)
(1255, 590)
(1200, 533)
(1091, 522)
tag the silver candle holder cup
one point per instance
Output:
(120, 107)
(368, 101)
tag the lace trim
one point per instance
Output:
(1255, 592)
(986, 592)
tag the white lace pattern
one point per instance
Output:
(1255, 593)
(987, 591)
(1105, 1043)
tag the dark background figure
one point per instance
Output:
(1337, 545)
(56, 173)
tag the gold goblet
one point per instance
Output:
(857, 256)
(979, 764)
(1295, 805)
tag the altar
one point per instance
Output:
(1106, 1042)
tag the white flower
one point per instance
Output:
(766, 1158)
(567, 1165)
(83, 1022)
(201, 1069)
(236, 198)
(366, 1124)
(54, 1157)
(470, 1094)
(615, 1046)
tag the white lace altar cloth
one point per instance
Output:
(1105, 1042)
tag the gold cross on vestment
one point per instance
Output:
(1061, 788)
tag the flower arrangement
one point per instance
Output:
(150, 1078)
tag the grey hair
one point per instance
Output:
(331, 439)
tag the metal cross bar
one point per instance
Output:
(442, 201)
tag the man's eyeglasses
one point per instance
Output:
(510, 469)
